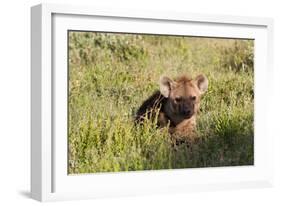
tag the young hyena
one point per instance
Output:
(176, 104)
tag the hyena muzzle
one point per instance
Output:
(176, 104)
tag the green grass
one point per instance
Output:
(110, 75)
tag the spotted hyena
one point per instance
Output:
(176, 104)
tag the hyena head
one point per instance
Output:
(183, 96)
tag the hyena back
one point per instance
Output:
(175, 103)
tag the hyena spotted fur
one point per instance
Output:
(176, 104)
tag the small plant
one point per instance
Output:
(122, 47)
(238, 57)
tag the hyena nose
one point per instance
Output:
(186, 111)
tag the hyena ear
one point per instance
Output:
(202, 83)
(165, 85)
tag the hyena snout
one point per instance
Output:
(187, 110)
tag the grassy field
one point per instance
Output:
(110, 75)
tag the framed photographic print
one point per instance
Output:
(135, 102)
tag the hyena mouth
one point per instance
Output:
(187, 115)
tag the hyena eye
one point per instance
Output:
(193, 98)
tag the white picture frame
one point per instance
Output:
(49, 178)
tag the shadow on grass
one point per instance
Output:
(231, 144)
